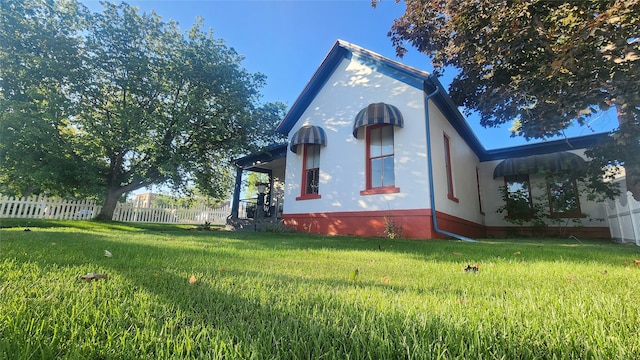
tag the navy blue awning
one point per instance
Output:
(308, 134)
(552, 162)
(379, 113)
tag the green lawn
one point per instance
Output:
(298, 296)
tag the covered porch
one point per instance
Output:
(252, 211)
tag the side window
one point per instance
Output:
(447, 162)
(563, 198)
(380, 157)
(518, 196)
(310, 172)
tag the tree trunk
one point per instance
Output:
(113, 194)
(628, 138)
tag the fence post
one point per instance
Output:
(31, 210)
(607, 209)
(619, 211)
(634, 209)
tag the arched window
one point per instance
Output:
(379, 121)
(310, 138)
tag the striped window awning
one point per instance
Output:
(308, 134)
(533, 164)
(379, 113)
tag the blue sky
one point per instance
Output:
(287, 41)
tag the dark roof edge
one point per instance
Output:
(546, 147)
(313, 86)
(270, 153)
(453, 115)
(451, 112)
(340, 50)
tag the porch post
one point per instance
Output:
(235, 203)
(270, 198)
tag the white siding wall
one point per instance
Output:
(463, 165)
(354, 85)
(490, 191)
(351, 88)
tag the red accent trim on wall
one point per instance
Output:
(308, 197)
(380, 190)
(368, 183)
(417, 224)
(303, 194)
(479, 191)
(449, 172)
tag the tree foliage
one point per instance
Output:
(141, 102)
(39, 151)
(544, 65)
(250, 183)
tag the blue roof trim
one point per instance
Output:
(418, 78)
(451, 112)
(314, 85)
(574, 143)
(344, 50)
(270, 153)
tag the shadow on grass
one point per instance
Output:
(486, 250)
(91, 225)
(234, 307)
(227, 304)
(605, 252)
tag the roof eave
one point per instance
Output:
(313, 86)
(453, 115)
(341, 49)
(567, 144)
(273, 152)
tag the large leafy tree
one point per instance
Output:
(36, 69)
(543, 65)
(150, 104)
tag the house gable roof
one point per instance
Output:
(430, 85)
(341, 50)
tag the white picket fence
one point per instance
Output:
(172, 215)
(41, 207)
(624, 218)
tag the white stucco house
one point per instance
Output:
(373, 141)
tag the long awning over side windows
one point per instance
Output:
(379, 113)
(308, 134)
(553, 162)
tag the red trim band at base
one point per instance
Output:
(417, 224)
